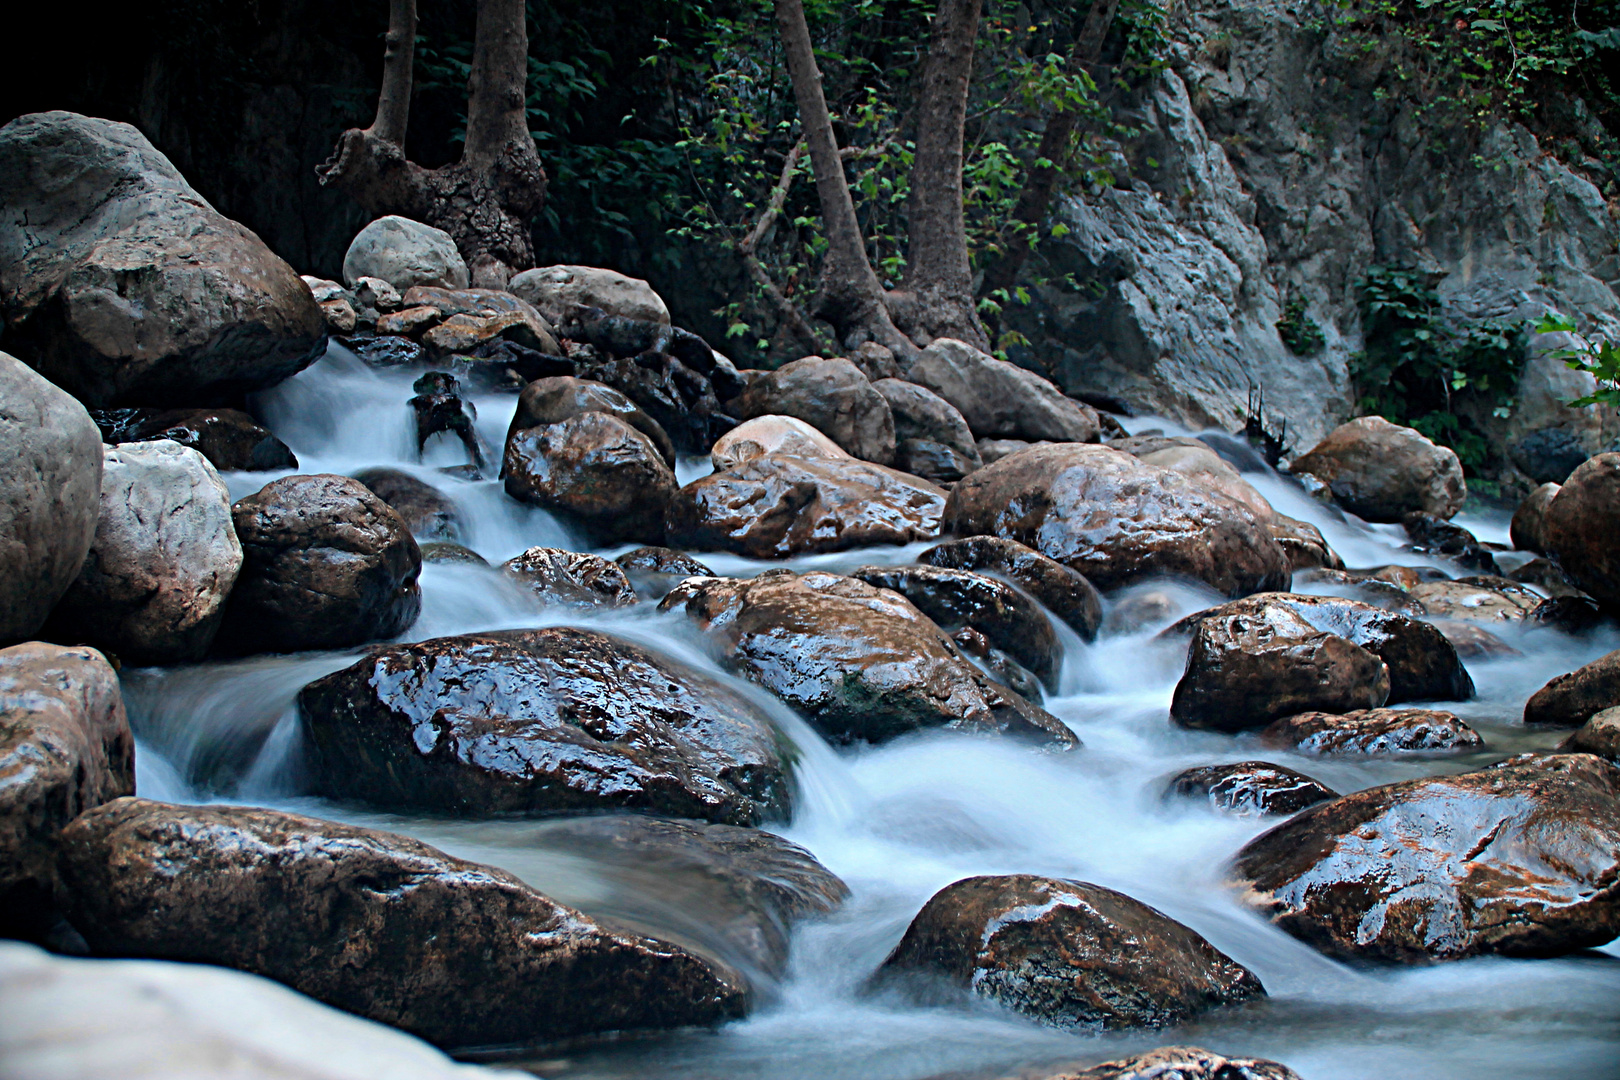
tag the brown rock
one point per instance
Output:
(1529, 527)
(995, 449)
(998, 399)
(1581, 525)
(596, 470)
(472, 317)
(574, 578)
(1373, 731)
(933, 461)
(1204, 467)
(653, 571)
(409, 321)
(923, 419)
(1572, 699)
(228, 438)
(772, 435)
(1503, 602)
(1303, 544)
(1546, 576)
(831, 396)
(551, 401)
(441, 551)
(1599, 735)
(1472, 641)
(426, 511)
(1064, 592)
(1174, 1063)
(1382, 471)
(1250, 788)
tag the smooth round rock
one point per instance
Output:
(429, 513)
(1573, 698)
(1381, 471)
(1599, 735)
(1250, 788)
(1528, 529)
(596, 471)
(831, 396)
(773, 435)
(403, 253)
(552, 400)
(1064, 592)
(556, 289)
(1000, 400)
(920, 415)
(653, 571)
(1582, 523)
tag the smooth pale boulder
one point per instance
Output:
(379, 925)
(597, 472)
(556, 289)
(1582, 523)
(65, 747)
(778, 505)
(540, 722)
(1250, 788)
(860, 663)
(1064, 592)
(403, 253)
(1068, 953)
(229, 438)
(1117, 519)
(1373, 731)
(1382, 471)
(1571, 699)
(562, 397)
(124, 286)
(1520, 859)
(773, 435)
(1528, 529)
(831, 396)
(573, 578)
(1001, 400)
(164, 560)
(50, 495)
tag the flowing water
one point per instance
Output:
(900, 821)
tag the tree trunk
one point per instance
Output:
(399, 57)
(849, 295)
(939, 277)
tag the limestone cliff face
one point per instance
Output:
(1279, 159)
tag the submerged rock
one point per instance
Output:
(1068, 953)
(538, 722)
(363, 920)
(1175, 1063)
(1573, 698)
(228, 438)
(429, 513)
(597, 471)
(1250, 788)
(831, 396)
(1373, 731)
(575, 578)
(1382, 471)
(441, 551)
(1521, 859)
(1064, 592)
(1581, 525)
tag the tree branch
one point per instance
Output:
(789, 312)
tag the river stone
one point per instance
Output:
(933, 461)
(1529, 527)
(1432, 535)
(1581, 525)
(1203, 466)
(1572, 699)
(1599, 735)
(539, 722)
(1373, 731)
(772, 435)
(1521, 859)
(1009, 620)
(1303, 544)
(50, 489)
(403, 253)
(595, 470)
(653, 571)
(1002, 668)
(373, 923)
(1250, 788)
(1502, 602)
(228, 438)
(65, 746)
(153, 588)
(860, 663)
(555, 290)
(326, 565)
(429, 513)
(574, 578)
(1423, 665)
(443, 551)
(1001, 400)
(1543, 574)
(1472, 641)
(922, 415)
(1173, 1063)
(1068, 953)
(124, 286)
(1382, 471)
(779, 505)
(831, 396)
(562, 397)
(1064, 592)
(1115, 519)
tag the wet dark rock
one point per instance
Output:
(1433, 535)
(326, 565)
(1001, 667)
(228, 438)
(1573, 698)
(831, 396)
(860, 663)
(1373, 731)
(1521, 859)
(1303, 544)
(999, 399)
(428, 512)
(1382, 471)
(507, 366)
(440, 551)
(540, 722)
(1250, 788)
(551, 401)
(1134, 614)
(1600, 735)
(387, 351)
(1571, 614)
(925, 420)
(1581, 525)
(932, 461)
(1360, 587)
(1549, 455)
(468, 318)
(1471, 640)
(1529, 526)
(1173, 1063)
(656, 570)
(439, 407)
(574, 578)
(1068, 953)
(1546, 576)
(1115, 519)
(778, 505)
(683, 400)
(1009, 620)
(358, 918)
(1064, 592)
(596, 471)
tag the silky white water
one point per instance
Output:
(900, 821)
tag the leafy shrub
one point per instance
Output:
(1598, 357)
(1299, 331)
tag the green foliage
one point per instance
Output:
(1299, 331)
(1416, 363)
(1598, 357)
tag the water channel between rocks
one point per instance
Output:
(900, 821)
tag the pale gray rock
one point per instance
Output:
(921, 414)
(998, 399)
(555, 290)
(831, 396)
(403, 253)
(769, 435)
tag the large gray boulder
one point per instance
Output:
(831, 396)
(932, 440)
(1382, 471)
(1001, 400)
(123, 285)
(403, 253)
(557, 290)
(50, 487)
(165, 557)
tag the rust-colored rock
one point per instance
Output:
(597, 471)
(1582, 523)
(1382, 471)
(1065, 593)
(1373, 731)
(1250, 788)
(561, 397)
(1573, 698)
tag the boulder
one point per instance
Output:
(410, 320)
(1581, 525)
(1501, 602)
(124, 287)
(1064, 592)
(1001, 400)
(1529, 527)
(1572, 699)
(1001, 667)
(1116, 519)
(831, 396)
(1068, 953)
(597, 472)
(653, 571)
(876, 361)
(556, 290)
(1574, 614)
(572, 578)
(1303, 544)
(358, 919)
(539, 722)
(1373, 731)
(933, 461)
(1250, 788)
(50, 490)
(1600, 735)
(995, 449)
(778, 505)
(1176, 1063)
(228, 438)
(1519, 859)
(553, 400)
(1548, 455)
(683, 399)
(1432, 535)
(153, 588)
(1382, 471)
(403, 253)
(1009, 620)
(1200, 464)
(65, 746)
(375, 293)
(429, 513)
(326, 565)
(859, 663)
(922, 416)
(773, 435)
(1472, 641)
